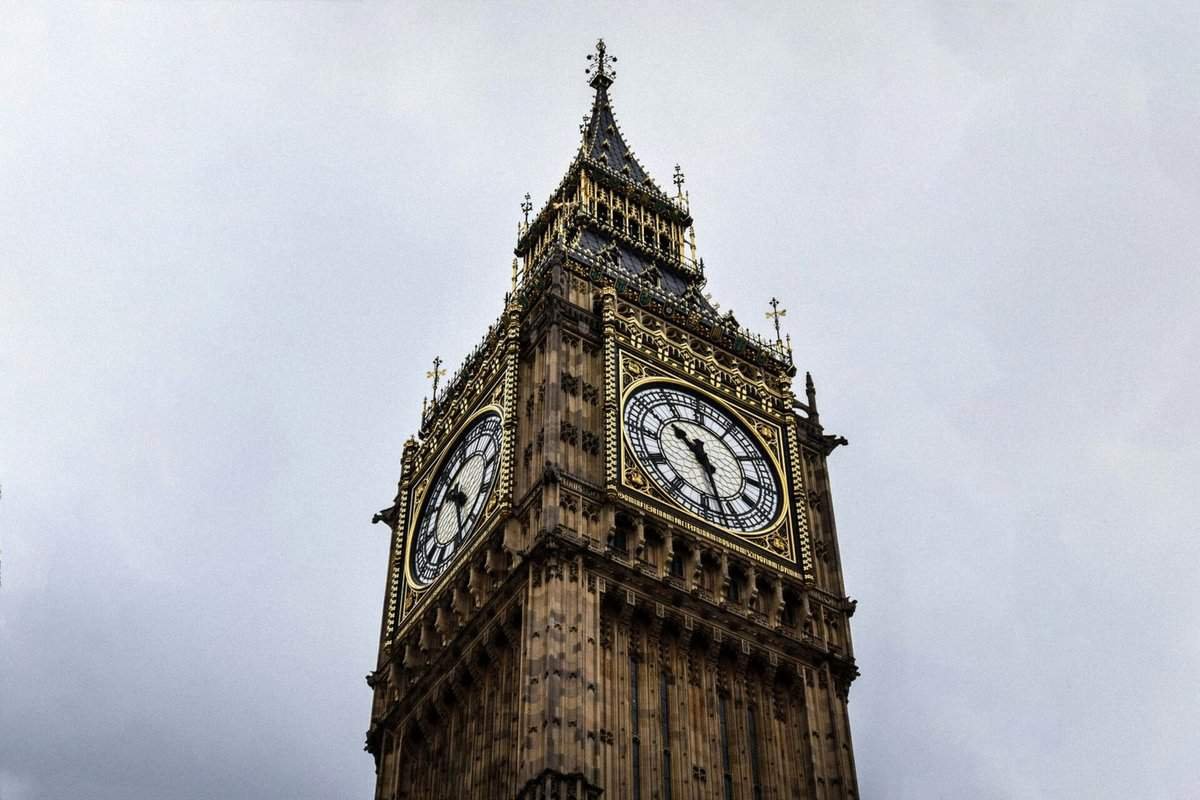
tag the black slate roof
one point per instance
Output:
(671, 281)
(603, 142)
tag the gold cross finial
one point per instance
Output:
(681, 197)
(526, 207)
(774, 314)
(435, 374)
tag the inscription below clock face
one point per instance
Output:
(701, 457)
(454, 505)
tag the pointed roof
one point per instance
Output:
(579, 227)
(602, 139)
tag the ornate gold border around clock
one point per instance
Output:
(768, 435)
(653, 341)
(421, 486)
(395, 565)
(403, 597)
(791, 524)
(494, 385)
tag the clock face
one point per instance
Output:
(703, 458)
(455, 501)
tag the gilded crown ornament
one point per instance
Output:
(601, 65)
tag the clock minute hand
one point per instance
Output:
(709, 470)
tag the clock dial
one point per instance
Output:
(454, 504)
(703, 458)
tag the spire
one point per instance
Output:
(609, 216)
(602, 139)
(810, 390)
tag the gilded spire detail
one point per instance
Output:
(603, 143)
(774, 314)
(435, 374)
(600, 67)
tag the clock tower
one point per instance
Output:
(614, 571)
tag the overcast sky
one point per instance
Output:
(232, 236)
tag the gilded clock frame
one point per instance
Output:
(489, 386)
(421, 489)
(784, 544)
(768, 447)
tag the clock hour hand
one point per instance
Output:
(459, 498)
(697, 448)
(709, 469)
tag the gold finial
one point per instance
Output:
(526, 207)
(435, 374)
(601, 67)
(775, 313)
(514, 276)
(680, 196)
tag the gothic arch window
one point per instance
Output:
(622, 530)
(788, 613)
(737, 584)
(676, 560)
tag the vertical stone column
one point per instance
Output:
(554, 415)
(558, 703)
